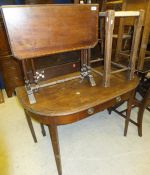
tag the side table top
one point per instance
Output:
(73, 96)
(39, 30)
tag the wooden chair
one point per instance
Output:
(143, 90)
(130, 6)
(142, 70)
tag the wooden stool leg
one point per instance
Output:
(129, 107)
(119, 40)
(135, 44)
(109, 27)
(43, 130)
(31, 126)
(55, 143)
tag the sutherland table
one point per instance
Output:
(72, 101)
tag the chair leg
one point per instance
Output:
(31, 127)
(129, 107)
(144, 104)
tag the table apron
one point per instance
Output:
(71, 118)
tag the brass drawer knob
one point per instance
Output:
(118, 99)
(91, 111)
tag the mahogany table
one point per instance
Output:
(73, 100)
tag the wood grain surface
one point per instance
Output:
(72, 97)
(38, 30)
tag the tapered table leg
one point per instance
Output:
(140, 119)
(31, 126)
(129, 107)
(55, 143)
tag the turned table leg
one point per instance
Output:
(129, 107)
(55, 143)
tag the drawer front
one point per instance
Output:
(93, 110)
